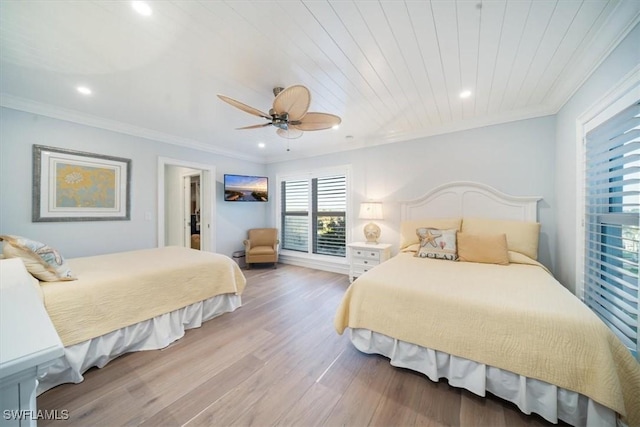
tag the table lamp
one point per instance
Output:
(371, 210)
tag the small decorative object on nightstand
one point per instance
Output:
(364, 256)
(371, 210)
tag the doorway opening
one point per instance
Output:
(176, 204)
(191, 212)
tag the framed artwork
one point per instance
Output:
(73, 185)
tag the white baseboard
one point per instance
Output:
(334, 267)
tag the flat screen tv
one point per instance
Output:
(245, 188)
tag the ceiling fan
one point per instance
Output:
(289, 113)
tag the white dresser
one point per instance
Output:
(28, 344)
(364, 256)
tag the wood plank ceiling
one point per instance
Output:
(392, 70)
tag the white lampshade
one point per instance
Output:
(370, 210)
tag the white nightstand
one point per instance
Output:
(364, 256)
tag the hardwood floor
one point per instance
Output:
(277, 360)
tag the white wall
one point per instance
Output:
(20, 130)
(516, 158)
(620, 62)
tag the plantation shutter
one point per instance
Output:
(612, 191)
(329, 214)
(313, 215)
(295, 214)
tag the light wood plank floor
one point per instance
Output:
(275, 361)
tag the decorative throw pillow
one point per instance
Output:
(42, 261)
(436, 243)
(484, 248)
(408, 228)
(522, 236)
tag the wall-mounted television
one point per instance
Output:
(245, 188)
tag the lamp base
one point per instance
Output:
(372, 233)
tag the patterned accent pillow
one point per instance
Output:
(436, 243)
(42, 261)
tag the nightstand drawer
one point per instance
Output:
(360, 262)
(361, 253)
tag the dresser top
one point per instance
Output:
(365, 245)
(27, 336)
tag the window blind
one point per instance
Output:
(314, 215)
(295, 213)
(612, 209)
(330, 215)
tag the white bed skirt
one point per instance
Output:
(530, 395)
(151, 334)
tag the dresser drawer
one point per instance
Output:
(362, 253)
(364, 256)
(362, 262)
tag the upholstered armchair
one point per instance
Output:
(261, 245)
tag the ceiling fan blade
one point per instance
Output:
(317, 121)
(291, 133)
(294, 101)
(244, 107)
(254, 126)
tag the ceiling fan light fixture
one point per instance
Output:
(289, 113)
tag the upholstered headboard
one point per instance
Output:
(470, 199)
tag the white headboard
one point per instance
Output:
(470, 199)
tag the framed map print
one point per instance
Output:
(73, 185)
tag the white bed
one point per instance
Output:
(531, 395)
(133, 301)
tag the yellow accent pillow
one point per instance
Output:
(408, 229)
(484, 248)
(522, 236)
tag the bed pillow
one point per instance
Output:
(411, 248)
(437, 243)
(522, 236)
(408, 229)
(42, 261)
(484, 248)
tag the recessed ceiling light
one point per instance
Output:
(142, 8)
(84, 90)
(335, 127)
(465, 94)
(261, 144)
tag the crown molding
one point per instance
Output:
(47, 110)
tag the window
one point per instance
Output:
(313, 215)
(612, 223)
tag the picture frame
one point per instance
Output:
(70, 185)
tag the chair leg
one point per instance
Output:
(275, 265)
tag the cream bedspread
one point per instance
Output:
(121, 289)
(515, 317)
